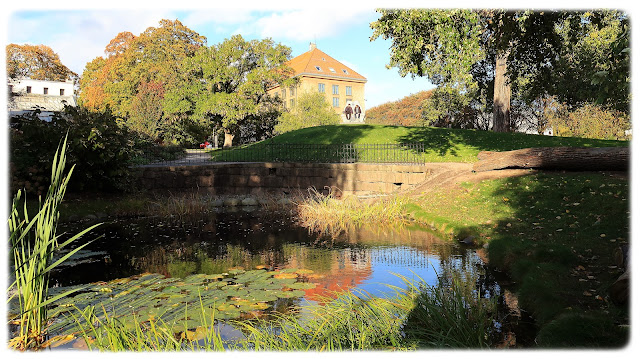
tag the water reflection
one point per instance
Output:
(368, 259)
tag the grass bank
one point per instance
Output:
(556, 235)
(442, 144)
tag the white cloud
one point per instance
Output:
(305, 24)
(217, 17)
(80, 36)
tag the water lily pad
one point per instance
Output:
(290, 294)
(236, 270)
(289, 270)
(304, 271)
(302, 285)
(285, 275)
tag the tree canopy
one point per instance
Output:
(527, 54)
(136, 73)
(225, 85)
(36, 62)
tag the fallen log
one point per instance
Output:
(556, 158)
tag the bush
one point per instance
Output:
(590, 121)
(311, 110)
(99, 147)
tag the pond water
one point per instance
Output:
(369, 259)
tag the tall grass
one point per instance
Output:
(106, 333)
(33, 243)
(418, 316)
(330, 214)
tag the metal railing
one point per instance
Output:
(409, 153)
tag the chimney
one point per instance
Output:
(312, 46)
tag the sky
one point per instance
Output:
(79, 35)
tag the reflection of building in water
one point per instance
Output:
(339, 270)
(404, 256)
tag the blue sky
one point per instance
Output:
(80, 35)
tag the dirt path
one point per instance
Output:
(445, 175)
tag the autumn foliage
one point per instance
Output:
(404, 112)
(136, 72)
(36, 62)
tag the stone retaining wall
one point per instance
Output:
(281, 178)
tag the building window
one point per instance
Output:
(336, 102)
(321, 88)
(345, 71)
(61, 92)
(28, 89)
(348, 90)
(292, 103)
(318, 68)
(46, 91)
(291, 91)
(284, 94)
(332, 70)
(336, 90)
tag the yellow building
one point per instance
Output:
(319, 72)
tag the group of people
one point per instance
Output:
(349, 110)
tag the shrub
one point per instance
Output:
(98, 146)
(590, 121)
(311, 110)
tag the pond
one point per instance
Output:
(233, 246)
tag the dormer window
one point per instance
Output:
(318, 68)
(323, 59)
(345, 71)
(332, 70)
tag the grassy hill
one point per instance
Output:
(443, 144)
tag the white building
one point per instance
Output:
(27, 95)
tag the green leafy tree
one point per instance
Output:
(311, 110)
(493, 55)
(225, 85)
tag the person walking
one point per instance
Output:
(357, 111)
(348, 111)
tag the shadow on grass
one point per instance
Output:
(558, 247)
(444, 141)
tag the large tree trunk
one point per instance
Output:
(228, 139)
(556, 158)
(501, 95)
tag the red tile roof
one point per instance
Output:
(317, 63)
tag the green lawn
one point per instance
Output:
(555, 235)
(442, 144)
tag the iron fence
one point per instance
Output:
(408, 153)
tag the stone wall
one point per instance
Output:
(281, 178)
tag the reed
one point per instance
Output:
(106, 333)
(34, 242)
(332, 215)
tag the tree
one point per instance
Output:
(311, 110)
(136, 73)
(226, 85)
(36, 62)
(465, 50)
